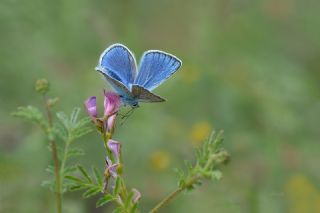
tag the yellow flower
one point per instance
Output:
(160, 160)
(302, 195)
(200, 131)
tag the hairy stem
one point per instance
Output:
(54, 157)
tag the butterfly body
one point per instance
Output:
(118, 65)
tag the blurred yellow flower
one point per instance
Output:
(160, 160)
(302, 195)
(200, 131)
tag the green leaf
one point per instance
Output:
(104, 200)
(217, 142)
(82, 122)
(32, 114)
(75, 152)
(216, 174)
(97, 176)
(63, 118)
(77, 187)
(91, 192)
(60, 131)
(129, 199)
(73, 178)
(84, 173)
(134, 208)
(188, 166)
(74, 115)
(69, 170)
(118, 210)
(49, 184)
(79, 132)
(117, 186)
(50, 169)
(182, 183)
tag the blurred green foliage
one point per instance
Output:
(250, 67)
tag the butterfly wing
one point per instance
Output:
(118, 63)
(144, 95)
(155, 67)
(119, 87)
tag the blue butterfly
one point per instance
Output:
(118, 65)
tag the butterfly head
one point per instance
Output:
(135, 105)
(129, 101)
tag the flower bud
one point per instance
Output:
(42, 86)
(91, 107)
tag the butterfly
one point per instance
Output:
(134, 85)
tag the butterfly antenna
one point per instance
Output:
(126, 116)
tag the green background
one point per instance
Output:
(251, 68)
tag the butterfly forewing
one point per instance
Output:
(118, 62)
(120, 88)
(155, 67)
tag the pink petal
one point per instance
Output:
(111, 103)
(91, 107)
(111, 121)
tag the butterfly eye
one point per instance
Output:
(121, 96)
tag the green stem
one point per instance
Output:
(57, 176)
(54, 157)
(175, 193)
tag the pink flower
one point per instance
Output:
(111, 106)
(91, 106)
(111, 121)
(115, 148)
(111, 103)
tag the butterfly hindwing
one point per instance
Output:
(155, 67)
(118, 62)
(144, 95)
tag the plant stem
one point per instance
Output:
(57, 176)
(175, 193)
(54, 157)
